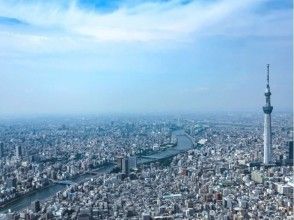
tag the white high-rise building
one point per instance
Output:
(133, 162)
(18, 151)
(267, 135)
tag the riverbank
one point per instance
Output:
(13, 200)
(184, 143)
(23, 201)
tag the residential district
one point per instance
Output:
(205, 166)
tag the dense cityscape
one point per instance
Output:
(146, 110)
(219, 176)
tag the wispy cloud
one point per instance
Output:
(148, 21)
(10, 21)
(146, 50)
(70, 25)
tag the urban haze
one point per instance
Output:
(146, 109)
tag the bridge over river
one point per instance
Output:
(64, 182)
(185, 143)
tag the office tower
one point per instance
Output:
(11, 182)
(290, 150)
(1, 149)
(119, 162)
(267, 135)
(146, 216)
(18, 151)
(37, 206)
(133, 162)
(125, 166)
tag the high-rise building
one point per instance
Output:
(37, 206)
(267, 135)
(119, 161)
(11, 182)
(146, 216)
(18, 151)
(133, 162)
(125, 166)
(290, 150)
(1, 149)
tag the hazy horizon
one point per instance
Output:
(145, 56)
(110, 115)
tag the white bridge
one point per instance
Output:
(63, 182)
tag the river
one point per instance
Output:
(184, 143)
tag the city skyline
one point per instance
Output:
(146, 109)
(80, 57)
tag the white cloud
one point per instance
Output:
(58, 28)
(152, 21)
(83, 52)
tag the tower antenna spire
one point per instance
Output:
(267, 78)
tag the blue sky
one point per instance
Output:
(85, 56)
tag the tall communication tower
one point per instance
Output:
(267, 135)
